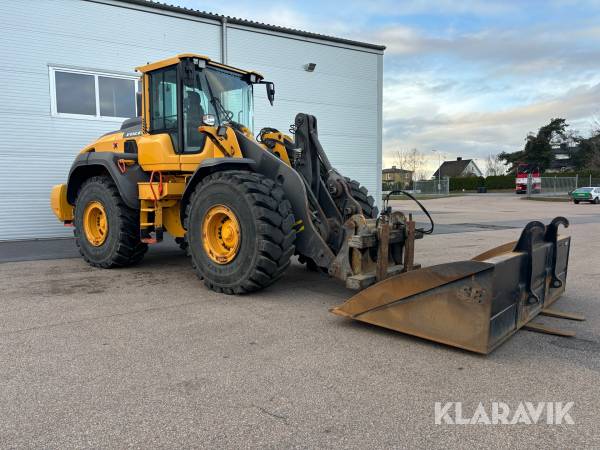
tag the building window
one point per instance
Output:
(75, 93)
(93, 95)
(117, 97)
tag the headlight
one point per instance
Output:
(208, 119)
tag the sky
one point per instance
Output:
(465, 78)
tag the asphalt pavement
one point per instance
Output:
(147, 357)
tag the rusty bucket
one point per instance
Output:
(477, 304)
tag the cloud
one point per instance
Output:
(476, 93)
(283, 13)
(480, 134)
(537, 48)
(467, 77)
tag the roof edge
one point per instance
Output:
(251, 23)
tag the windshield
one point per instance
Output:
(232, 96)
(223, 94)
(580, 190)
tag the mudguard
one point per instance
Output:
(92, 164)
(100, 163)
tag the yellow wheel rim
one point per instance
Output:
(221, 235)
(95, 225)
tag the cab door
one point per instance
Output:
(158, 148)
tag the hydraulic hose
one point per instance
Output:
(409, 195)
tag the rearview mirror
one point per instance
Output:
(138, 101)
(270, 91)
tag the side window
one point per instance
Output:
(163, 103)
(195, 105)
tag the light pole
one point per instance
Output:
(439, 186)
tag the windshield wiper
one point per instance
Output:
(219, 105)
(219, 108)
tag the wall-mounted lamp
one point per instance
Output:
(310, 67)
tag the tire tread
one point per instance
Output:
(130, 249)
(274, 220)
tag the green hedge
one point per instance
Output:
(466, 183)
(492, 182)
(500, 182)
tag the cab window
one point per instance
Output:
(195, 105)
(163, 103)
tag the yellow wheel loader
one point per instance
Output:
(242, 206)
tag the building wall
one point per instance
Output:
(472, 170)
(341, 93)
(396, 180)
(37, 148)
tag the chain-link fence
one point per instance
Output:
(432, 187)
(557, 185)
(420, 187)
(543, 186)
(588, 181)
(388, 186)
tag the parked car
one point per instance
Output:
(586, 194)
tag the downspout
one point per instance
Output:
(224, 40)
(379, 159)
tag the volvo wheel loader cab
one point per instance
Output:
(242, 206)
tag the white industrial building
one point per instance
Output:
(67, 77)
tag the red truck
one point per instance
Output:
(524, 170)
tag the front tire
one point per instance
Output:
(576, 202)
(182, 243)
(106, 230)
(239, 231)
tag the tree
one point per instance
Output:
(538, 149)
(416, 163)
(588, 154)
(494, 166)
(401, 159)
(412, 160)
(595, 126)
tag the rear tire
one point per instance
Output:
(120, 245)
(596, 200)
(361, 195)
(264, 219)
